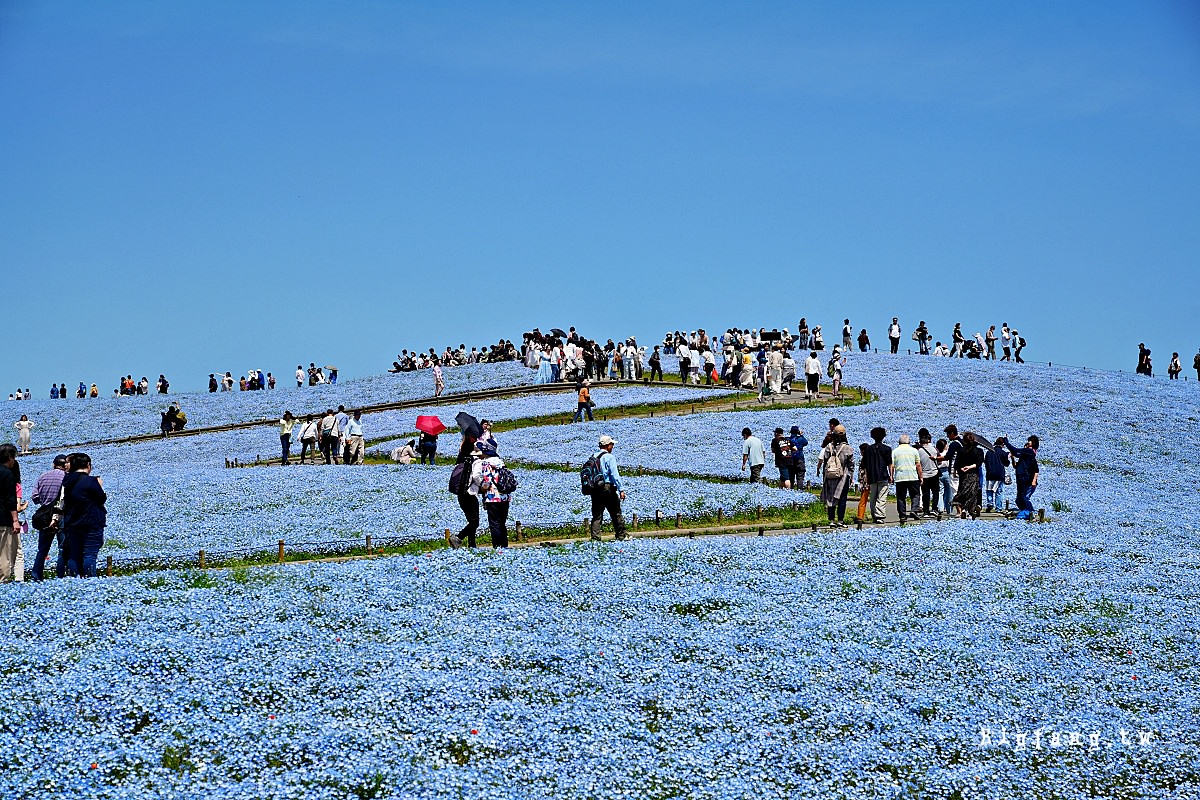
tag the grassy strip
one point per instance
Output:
(731, 401)
(802, 517)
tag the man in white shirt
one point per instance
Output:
(685, 361)
(847, 334)
(753, 455)
(812, 374)
(299, 376)
(894, 335)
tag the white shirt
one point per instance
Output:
(894, 331)
(812, 366)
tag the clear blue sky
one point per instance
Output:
(186, 187)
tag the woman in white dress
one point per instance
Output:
(23, 428)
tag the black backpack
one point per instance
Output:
(591, 477)
(505, 482)
(460, 476)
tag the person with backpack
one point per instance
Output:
(930, 473)
(836, 463)
(495, 483)
(1018, 345)
(1174, 368)
(585, 402)
(601, 480)
(460, 486)
(655, 365)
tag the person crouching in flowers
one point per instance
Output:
(484, 474)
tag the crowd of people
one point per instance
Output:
(336, 435)
(70, 513)
(503, 350)
(962, 474)
(252, 381)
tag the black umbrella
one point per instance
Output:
(984, 442)
(559, 332)
(468, 424)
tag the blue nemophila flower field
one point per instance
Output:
(858, 665)
(61, 422)
(960, 659)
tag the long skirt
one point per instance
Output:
(968, 496)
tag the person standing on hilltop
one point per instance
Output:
(1006, 342)
(1018, 345)
(894, 335)
(1174, 368)
(1196, 364)
(847, 334)
(285, 436)
(24, 426)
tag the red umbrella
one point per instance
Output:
(431, 425)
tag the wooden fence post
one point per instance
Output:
(281, 551)
(201, 559)
(108, 566)
(1041, 515)
(517, 531)
(679, 520)
(370, 544)
(720, 515)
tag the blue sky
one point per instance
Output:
(189, 187)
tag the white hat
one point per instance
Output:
(606, 440)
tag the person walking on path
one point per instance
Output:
(1026, 467)
(439, 383)
(894, 335)
(24, 426)
(329, 434)
(285, 437)
(1018, 346)
(948, 458)
(468, 502)
(584, 402)
(812, 376)
(1006, 342)
(930, 473)
(799, 442)
(847, 335)
(753, 455)
(339, 445)
(485, 472)
(907, 475)
(308, 438)
(836, 465)
(352, 453)
(48, 492)
(609, 495)
(84, 516)
(995, 467)
(656, 365)
(878, 461)
(968, 498)
(10, 521)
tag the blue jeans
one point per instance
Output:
(995, 492)
(45, 540)
(497, 515)
(1025, 496)
(83, 550)
(579, 413)
(285, 441)
(923, 343)
(947, 490)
